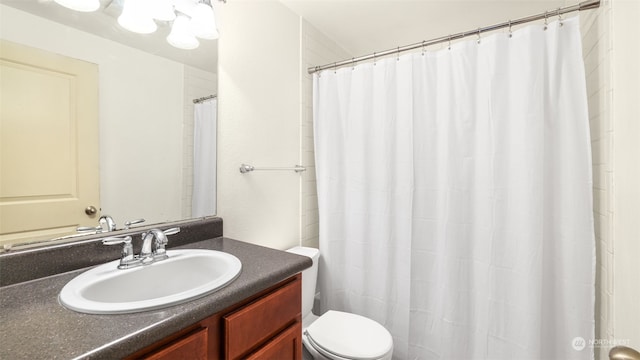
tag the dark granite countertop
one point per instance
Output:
(33, 324)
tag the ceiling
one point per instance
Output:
(363, 26)
(359, 26)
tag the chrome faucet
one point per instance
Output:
(107, 224)
(151, 251)
(159, 253)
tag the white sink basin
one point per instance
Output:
(184, 276)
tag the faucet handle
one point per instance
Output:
(89, 228)
(128, 224)
(114, 240)
(127, 250)
(171, 231)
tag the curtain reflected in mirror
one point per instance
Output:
(203, 201)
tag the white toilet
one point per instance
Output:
(338, 335)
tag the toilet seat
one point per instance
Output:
(340, 335)
(308, 342)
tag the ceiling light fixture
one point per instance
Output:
(203, 22)
(189, 18)
(181, 35)
(137, 17)
(80, 5)
(162, 10)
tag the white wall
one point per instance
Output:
(141, 111)
(265, 121)
(258, 78)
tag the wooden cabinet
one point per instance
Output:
(287, 345)
(191, 346)
(265, 326)
(250, 326)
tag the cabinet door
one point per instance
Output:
(192, 346)
(251, 326)
(287, 345)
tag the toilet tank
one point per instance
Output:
(309, 277)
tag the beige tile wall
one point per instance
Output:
(595, 26)
(624, 267)
(317, 49)
(611, 51)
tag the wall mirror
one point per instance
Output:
(145, 110)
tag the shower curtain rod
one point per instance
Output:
(585, 5)
(204, 98)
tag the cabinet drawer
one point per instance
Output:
(287, 345)
(192, 346)
(249, 327)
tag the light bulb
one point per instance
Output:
(136, 17)
(80, 5)
(203, 22)
(162, 10)
(181, 35)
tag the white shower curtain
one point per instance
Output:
(455, 197)
(203, 201)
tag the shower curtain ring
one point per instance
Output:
(559, 17)
(546, 20)
(422, 47)
(510, 32)
(398, 54)
(374, 58)
(335, 67)
(449, 42)
(353, 64)
(478, 36)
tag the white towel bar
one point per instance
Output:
(244, 168)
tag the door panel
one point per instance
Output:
(49, 155)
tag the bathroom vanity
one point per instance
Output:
(256, 316)
(266, 326)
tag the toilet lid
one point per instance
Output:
(350, 336)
